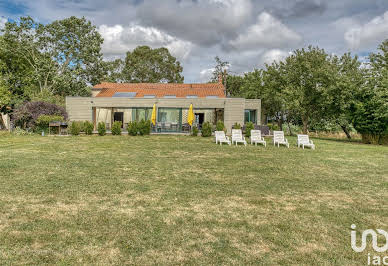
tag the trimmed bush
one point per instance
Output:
(248, 127)
(236, 126)
(132, 128)
(42, 123)
(75, 128)
(206, 129)
(88, 128)
(220, 126)
(144, 127)
(116, 128)
(101, 129)
(194, 131)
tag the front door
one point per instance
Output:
(199, 118)
(119, 116)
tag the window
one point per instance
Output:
(191, 96)
(212, 96)
(250, 116)
(170, 115)
(169, 96)
(139, 114)
(149, 96)
(124, 94)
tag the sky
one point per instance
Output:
(246, 33)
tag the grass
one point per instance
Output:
(184, 200)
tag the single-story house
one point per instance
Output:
(128, 102)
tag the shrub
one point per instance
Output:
(206, 129)
(236, 126)
(21, 132)
(194, 131)
(101, 129)
(248, 127)
(116, 128)
(42, 123)
(144, 127)
(132, 128)
(26, 115)
(75, 128)
(88, 128)
(220, 126)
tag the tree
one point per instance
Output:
(306, 74)
(113, 70)
(145, 64)
(220, 71)
(234, 85)
(370, 109)
(338, 98)
(64, 56)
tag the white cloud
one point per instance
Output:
(118, 40)
(268, 32)
(369, 34)
(274, 55)
(2, 22)
(206, 74)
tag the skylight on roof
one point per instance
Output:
(124, 94)
(149, 96)
(169, 96)
(191, 96)
(212, 96)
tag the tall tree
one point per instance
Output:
(370, 109)
(113, 70)
(220, 71)
(145, 64)
(339, 97)
(64, 56)
(307, 73)
(234, 85)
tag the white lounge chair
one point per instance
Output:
(279, 139)
(304, 141)
(237, 137)
(221, 138)
(257, 138)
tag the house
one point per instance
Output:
(128, 102)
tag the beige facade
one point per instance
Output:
(97, 109)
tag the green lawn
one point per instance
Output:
(180, 199)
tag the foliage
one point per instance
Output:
(75, 128)
(48, 97)
(27, 114)
(248, 127)
(113, 70)
(144, 127)
(220, 70)
(220, 126)
(61, 57)
(133, 128)
(370, 109)
(116, 128)
(236, 126)
(194, 131)
(234, 85)
(18, 131)
(206, 129)
(145, 64)
(88, 128)
(42, 123)
(101, 129)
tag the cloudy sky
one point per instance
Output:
(247, 33)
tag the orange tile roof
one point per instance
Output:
(160, 90)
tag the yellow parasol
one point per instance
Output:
(190, 116)
(153, 115)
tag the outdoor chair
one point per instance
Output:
(279, 139)
(237, 137)
(257, 138)
(304, 141)
(221, 138)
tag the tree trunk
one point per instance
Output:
(280, 124)
(2, 124)
(346, 131)
(289, 128)
(305, 124)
